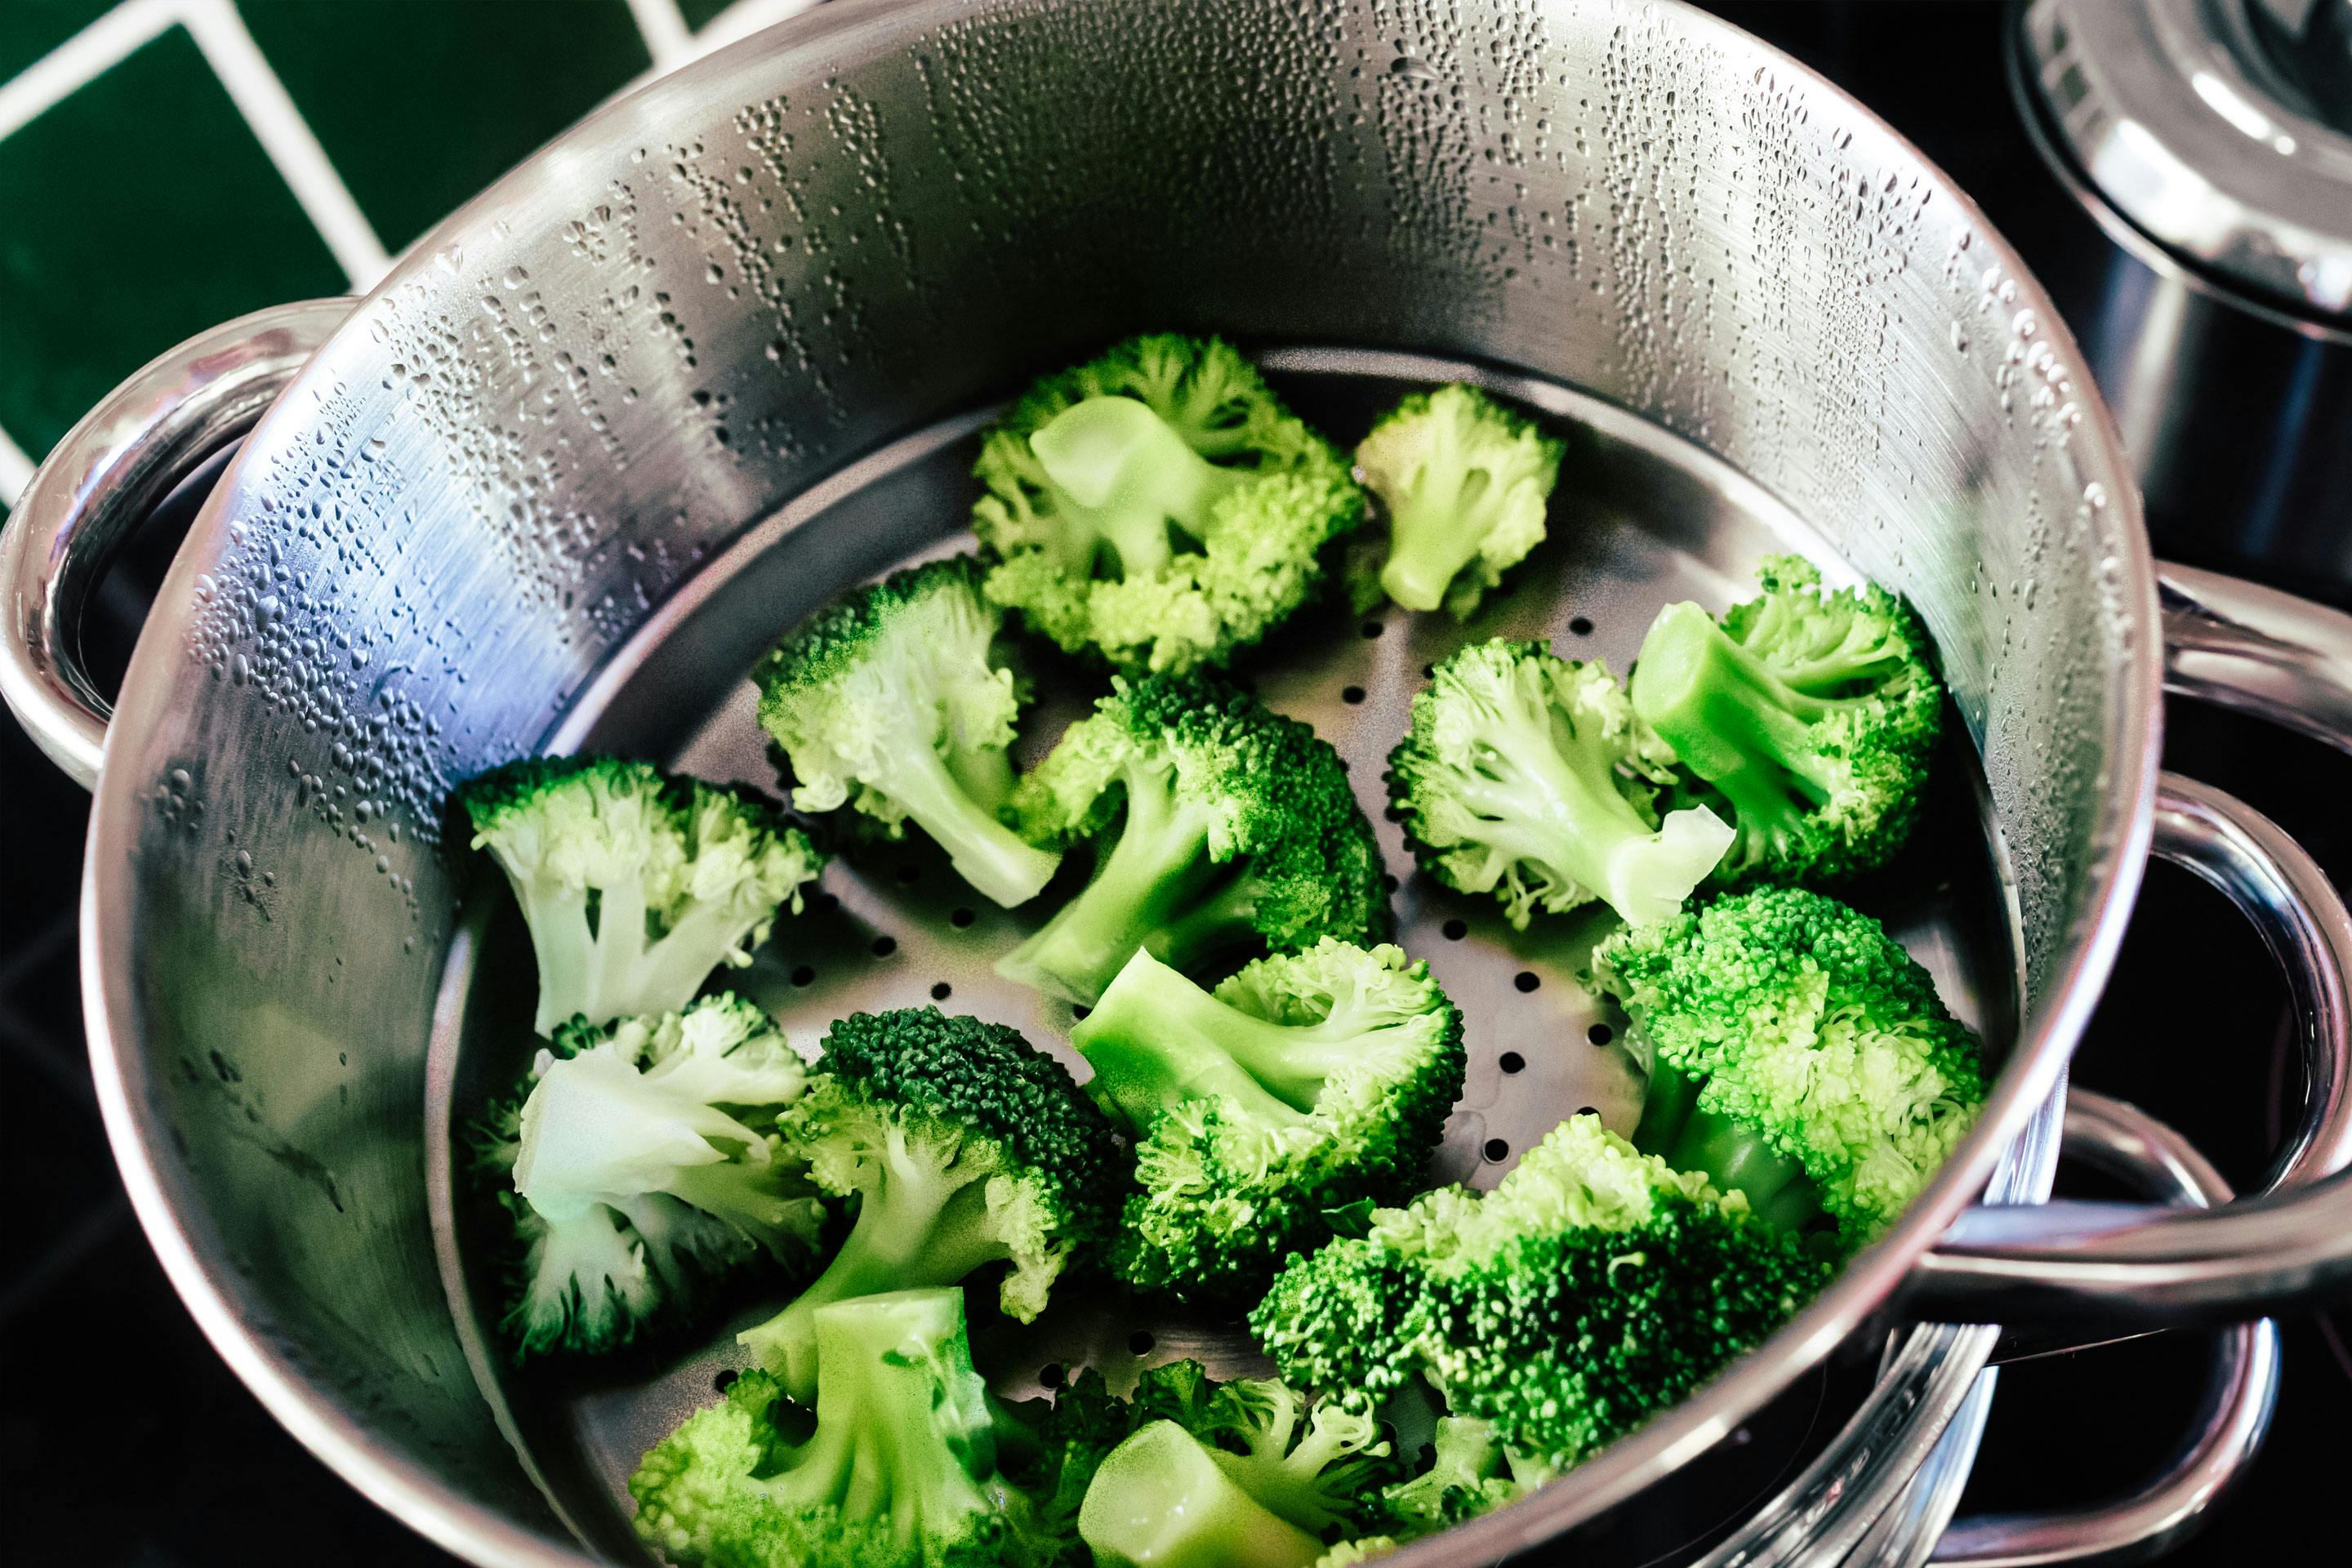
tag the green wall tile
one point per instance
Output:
(140, 211)
(421, 103)
(699, 13)
(31, 29)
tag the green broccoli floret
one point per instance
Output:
(1086, 1421)
(964, 1145)
(1527, 775)
(900, 1471)
(1464, 480)
(886, 699)
(1218, 825)
(1364, 1549)
(1158, 506)
(1811, 716)
(1306, 1083)
(636, 885)
(1593, 1288)
(1162, 1499)
(1469, 1473)
(1801, 1055)
(1320, 1465)
(640, 1167)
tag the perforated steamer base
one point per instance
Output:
(1640, 518)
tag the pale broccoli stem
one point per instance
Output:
(922, 1222)
(1158, 865)
(1437, 525)
(1553, 801)
(1159, 1501)
(1732, 720)
(614, 968)
(1124, 474)
(1005, 868)
(1156, 1040)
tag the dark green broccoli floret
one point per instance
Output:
(1527, 775)
(888, 701)
(1802, 1055)
(1218, 825)
(1463, 481)
(1159, 506)
(636, 885)
(964, 1145)
(900, 1472)
(1306, 1083)
(1810, 716)
(1590, 1289)
(640, 1165)
(1469, 1473)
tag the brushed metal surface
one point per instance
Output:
(725, 288)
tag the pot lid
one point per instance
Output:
(2223, 129)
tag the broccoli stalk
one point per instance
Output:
(1813, 715)
(1464, 482)
(888, 701)
(1234, 827)
(1162, 1500)
(637, 1170)
(1303, 1084)
(1799, 1055)
(1315, 1465)
(900, 1471)
(1156, 507)
(964, 1147)
(1469, 1473)
(1122, 475)
(636, 885)
(1527, 775)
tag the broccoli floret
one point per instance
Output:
(1162, 1499)
(964, 1145)
(1218, 823)
(1463, 481)
(900, 1471)
(1593, 1288)
(1086, 1421)
(1158, 506)
(1469, 1473)
(1364, 1549)
(1320, 1465)
(1527, 775)
(636, 885)
(887, 700)
(1811, 716)
(1797, 1047)
(640, 1168)
(1306, 1083)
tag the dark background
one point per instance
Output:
(124, 1440)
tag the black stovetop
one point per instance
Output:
(124, 1440)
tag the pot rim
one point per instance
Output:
(849, 29)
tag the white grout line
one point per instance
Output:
(286, 137)
(668, 38)
(81, 59)
(744, 18)
(16, 470)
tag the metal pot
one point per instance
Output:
(498, 504)
(2207, 263)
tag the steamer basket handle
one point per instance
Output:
(2240, 1390)
(2125, 1266)
(101, 484)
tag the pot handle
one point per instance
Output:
(2240, 1390)
(102, 481)
(2128, 1267)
